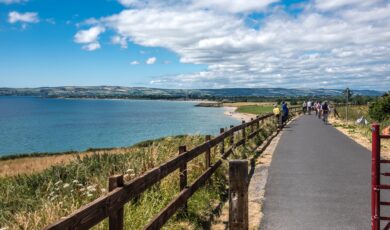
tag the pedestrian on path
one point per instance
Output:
(284, 112)
(304, 107)
(318, 109)
(276, 112)
(325, 112)
(309, 105)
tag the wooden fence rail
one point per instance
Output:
(111, 205)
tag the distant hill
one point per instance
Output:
(141, 92)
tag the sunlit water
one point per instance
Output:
(29, 124)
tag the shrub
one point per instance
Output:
(380, 110)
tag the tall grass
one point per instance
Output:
(36, 200)
(354, 113)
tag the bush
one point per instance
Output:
(380, 110)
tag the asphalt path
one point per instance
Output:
(318, 179)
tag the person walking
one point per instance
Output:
(309, 105)
(325, 112)
(276, 112)
(285, 112)
(318, 109)
(304, 107)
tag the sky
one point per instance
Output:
(196, 43)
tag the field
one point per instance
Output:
(239, 104)
(254, 109)
(35, 198)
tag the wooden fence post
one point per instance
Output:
(231, 140)
(222, 130)
(257, 123)
(207, 154)
(251, 128)
(183, 176)
(115, 220)
(238, 195)
(243, 131)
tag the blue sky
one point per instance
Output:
(195, 43)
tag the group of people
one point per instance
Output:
(321, 109)
(281, 115)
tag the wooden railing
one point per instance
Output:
(111, 205)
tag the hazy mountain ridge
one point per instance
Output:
(120, 91)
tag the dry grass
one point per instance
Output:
(28, 165)
(359, 134)
(35, 200)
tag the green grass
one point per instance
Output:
(254, 109)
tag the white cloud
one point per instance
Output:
(88, 36)
(151, 60)
(134, 63)
(118, 40)
(335, 4)
(234, 6)
(28, 17)
(231, 6)
(129, 3)
(12, 1)
(91, 46)
(348, 45)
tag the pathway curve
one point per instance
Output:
(318, 179)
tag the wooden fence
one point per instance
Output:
(112, 204)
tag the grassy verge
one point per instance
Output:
(32, 201)
(254, 109)
(359, 132)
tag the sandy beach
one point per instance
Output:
(231, 111)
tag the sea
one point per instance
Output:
(33, 124)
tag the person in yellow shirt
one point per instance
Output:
(276, 112)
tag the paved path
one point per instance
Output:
(318, 179)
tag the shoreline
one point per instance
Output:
(27, 159)
(231, 112)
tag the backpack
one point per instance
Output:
(325, 107)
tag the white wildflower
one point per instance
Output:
(4, 228)
(75, 181)
(58, 182)
(129, 170)
(89, 195)
(66, 185)
(103, 190)
(91, 188)
(80, 185)
(82, 189)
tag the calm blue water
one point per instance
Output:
(29, 124)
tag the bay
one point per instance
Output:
(31, 124)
